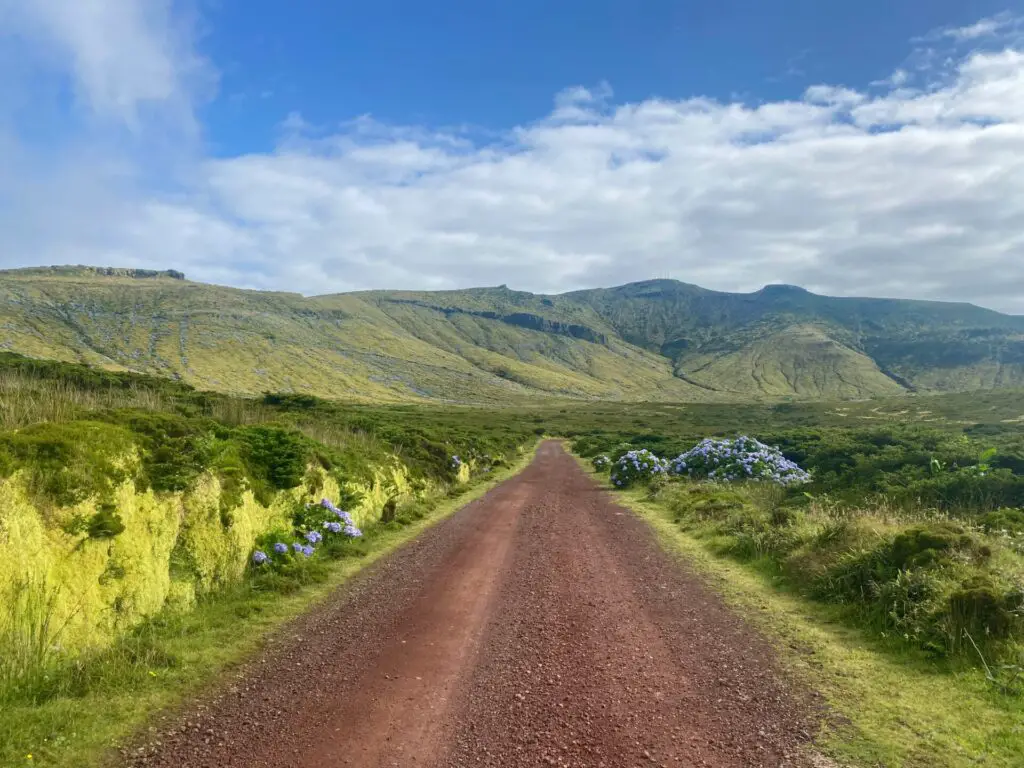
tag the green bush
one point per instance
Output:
(984, 610)
(106, 523)
(276, 458)
(1009, 520)
(68, 463)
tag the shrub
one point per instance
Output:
(637, 467)
(105, 524)
(741, 459)
(981, 608)
(276, 457)
(923, 545)
(1004, 520)
(68, 463)
(601, 463)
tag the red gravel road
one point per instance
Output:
(540, 625)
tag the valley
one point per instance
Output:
(797, 576)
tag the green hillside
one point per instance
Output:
(657, 340)
(783, 340)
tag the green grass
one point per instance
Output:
(80, 712)
(66, 429)
(890, 705)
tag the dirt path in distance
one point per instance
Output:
(540, 625)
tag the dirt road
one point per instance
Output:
(541, 625)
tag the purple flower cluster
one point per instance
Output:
(637, 467)
(741, 459)
(302, 549)
(348, 526)
(344, 525)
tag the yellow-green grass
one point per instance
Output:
(888, 707)
(664, 341)
(187, 654)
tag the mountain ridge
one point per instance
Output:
(651, 340)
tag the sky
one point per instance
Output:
(870, 148)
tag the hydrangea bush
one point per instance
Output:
(741, 459)
(637, 467)
(601, 463)
(312, 524)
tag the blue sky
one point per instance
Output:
(854, 148)
(498, 64)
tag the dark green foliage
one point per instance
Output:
(930, 584)
(174, 451)
(860, 575)
(86, 378)
(923, 545)
(74, 460)
(935, 466)
(67, 463)
(292, 401)
(1009, 520)
(389, 511)
(984, 609)
(105, 524)
(276, 458)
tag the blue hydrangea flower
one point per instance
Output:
(352, 532)
(636, 466)
(313, 537)
(743, 458)
(281, 548)
(260, 557)
(307, 551)
(297, 546)
(333, 527)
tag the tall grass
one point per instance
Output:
(26, 399)
(340, 436)
(919, 576)
(29, 636)
(241, 411)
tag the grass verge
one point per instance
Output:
(890, 707)
(172, 658)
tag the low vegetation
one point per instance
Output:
(142, 525)
(918, 535)
(136, 513)
(910, 538)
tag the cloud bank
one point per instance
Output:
(912, 186)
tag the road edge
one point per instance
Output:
(111, 737)
(882, 712)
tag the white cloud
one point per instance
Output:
(830, 94)
(123, 56)
(896, 191)
(982, 28)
